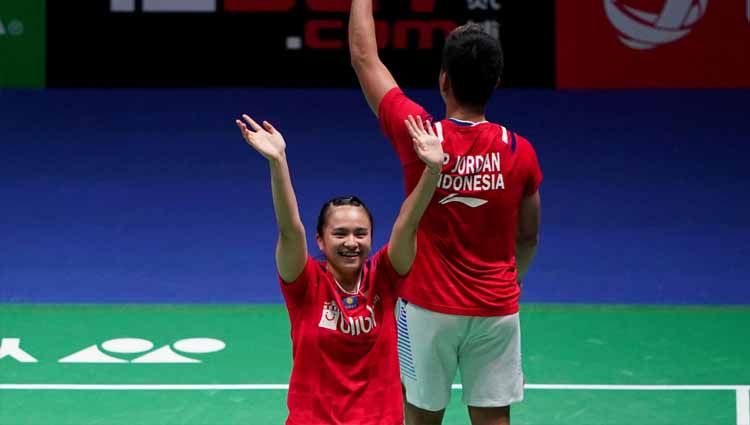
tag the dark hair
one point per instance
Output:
(337, 202)
(473, 63)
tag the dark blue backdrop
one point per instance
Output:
(152, 196)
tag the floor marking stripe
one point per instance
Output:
(743, 406)
(742, 390)
(634, 387)
(142, 387)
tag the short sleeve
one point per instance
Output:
(382, 265)
(392, 111)
(294, 292)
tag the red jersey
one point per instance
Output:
(345, 362)
(465, 262)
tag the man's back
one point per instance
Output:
(466, 259)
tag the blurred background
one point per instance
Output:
(123, 178)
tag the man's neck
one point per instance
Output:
(464, 114)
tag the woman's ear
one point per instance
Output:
(319, 240)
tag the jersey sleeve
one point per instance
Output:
(392, 111)
(382, 264)
(534, 175)
(294, 292)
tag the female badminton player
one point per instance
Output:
(344, 346)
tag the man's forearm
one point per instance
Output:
(373, 76)
(363, 44)
(525, 252)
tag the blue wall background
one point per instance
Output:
(152, 196)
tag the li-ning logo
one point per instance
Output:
(332, 319)
(642, 30)
(466, 200)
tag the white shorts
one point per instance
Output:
(486, 350)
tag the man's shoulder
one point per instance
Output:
(515, 140)
(396, 101)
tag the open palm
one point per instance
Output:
(266, 139)
(426, 144)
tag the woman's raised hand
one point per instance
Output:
(426, 144)
(264, 139)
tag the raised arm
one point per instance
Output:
(374, 78)
(402, 247)
(291, 249)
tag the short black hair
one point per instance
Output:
(473, 63)
(337, 202)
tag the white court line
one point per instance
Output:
(631, 387)
(743, 406)
(740, 389)
(142, 387)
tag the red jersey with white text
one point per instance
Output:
(465, 262)
(345, 362)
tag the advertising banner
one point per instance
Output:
(653, 43)
(278, 43)
(22, 30)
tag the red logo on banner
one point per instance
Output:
(331, 33)
(419, 6)
(653, 43)
(285, 5)
(258, 5)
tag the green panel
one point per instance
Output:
(268, 407)
(554, 407)
(566, 344)
(257, 338)
(563, 344)
(22, 43)
(146, 408)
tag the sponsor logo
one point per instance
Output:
(466, 200)
(319, 33)
(332, 319)
(122, 350)
(182, 6)
(641, 29)
(11, 347)
(14, 28)
(483, 4)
